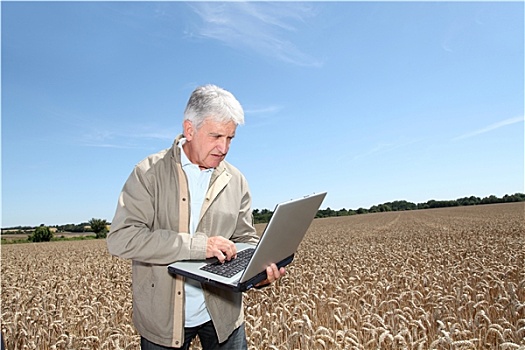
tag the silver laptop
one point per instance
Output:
(278, 244)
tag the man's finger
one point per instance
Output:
(229, 251)
(270, 274)
(217, 253)
(220, 248)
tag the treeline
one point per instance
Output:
(73, 228)
(264, 215)
(94, 225)
(45, 233)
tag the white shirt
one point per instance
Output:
(198, 183)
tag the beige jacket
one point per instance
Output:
(151, 226)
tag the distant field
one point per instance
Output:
(451, 278)
(14, 236)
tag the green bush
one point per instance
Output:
(99, 226)
(41, 234)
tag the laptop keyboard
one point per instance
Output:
(230, 268)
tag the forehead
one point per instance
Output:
(212, 126)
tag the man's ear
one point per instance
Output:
(188, 129)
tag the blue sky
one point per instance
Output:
(372, 102)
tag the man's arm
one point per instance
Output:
(131, 236)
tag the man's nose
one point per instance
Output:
(223, 145)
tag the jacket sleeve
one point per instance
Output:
(132, 235)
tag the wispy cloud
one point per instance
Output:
(490, 128)
(111, 145)
(384, 148)
(261, 116)
(256, 26)
(263, 110)
(95, 131)
(138, 136)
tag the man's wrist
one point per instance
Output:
(198, 246)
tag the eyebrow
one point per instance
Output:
(220, 135)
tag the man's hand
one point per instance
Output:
(272, 274)
(220, 248)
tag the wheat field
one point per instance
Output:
(451, 278)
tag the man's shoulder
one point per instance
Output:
(155, 160)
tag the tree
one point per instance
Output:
(42, 234)
(490, 200)
(262, 216)
(99, 227)
(325, 213)
(362, 211)
(342, 212)
(372, 209)
(384, 207)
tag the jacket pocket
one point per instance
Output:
(153, 295)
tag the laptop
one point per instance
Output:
(278, 244)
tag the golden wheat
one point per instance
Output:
(430, 279)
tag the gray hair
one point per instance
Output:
(210, 101)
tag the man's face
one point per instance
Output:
(208, 146)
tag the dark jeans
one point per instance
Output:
(207, 337)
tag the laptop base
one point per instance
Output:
(239, 287)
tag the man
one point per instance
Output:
(183, 203)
